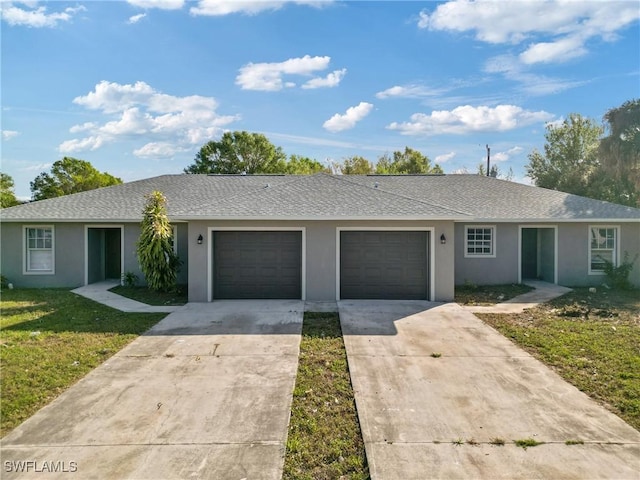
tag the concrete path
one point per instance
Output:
(543, 293)
(99, 292)
(412, 406)
(206, 394)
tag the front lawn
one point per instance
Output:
(150, 297)
(470, 294)
(49, 339)
(324, 440)
(591, 339)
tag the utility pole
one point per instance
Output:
(488, 160)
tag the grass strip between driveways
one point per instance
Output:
(49, 339)
(590, 339)
(324, 440)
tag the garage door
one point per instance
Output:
(384, 265)
(257, 264)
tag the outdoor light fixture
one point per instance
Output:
(443, 239)
(200, 239)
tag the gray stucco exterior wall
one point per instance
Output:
(501, 269)
(573, 255)
(69, 253)
(320, 254)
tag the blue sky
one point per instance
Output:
(137, 87)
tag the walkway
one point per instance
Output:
(99, 292)
(543, 293)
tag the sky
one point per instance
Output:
(137, 87)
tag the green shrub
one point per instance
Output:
(129, 279)
(157, 260)
(618, 276)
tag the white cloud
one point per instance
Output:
(506, 155)
(81, 144)
(113, 97)
(353, 115)
(410, 91)
(445, 157)
(331, 80)
(530, 84)
(157, 150)
(34, 16)
(83, 127)
(136, 18)
(566, 26)
(139, 111)
(37, 168)
(467, 119)
(161, 4)
(9, 134)
(247, 7)
(268, 76)
(551, 52)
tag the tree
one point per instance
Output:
(356, 165)
(239, 152)
(495, 172)
(298, 165)
(67, 176)
(7, 196)
(408, 162)
(570, 156)
(619, 176)
(154, 248)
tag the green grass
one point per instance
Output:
(527, 442)
(49, 339)
(591, 339)
(488, 294)
(150, 297)
(324, 440)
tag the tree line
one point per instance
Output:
(598, 161)
(580, 156)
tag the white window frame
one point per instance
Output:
(493, 241)
(616, 247)
(174, 230)
(26, 250)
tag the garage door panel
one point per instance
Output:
(257, 264)
(384, 264)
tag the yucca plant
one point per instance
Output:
(155, 253)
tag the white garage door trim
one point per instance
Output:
(211, 230)
(430, 247)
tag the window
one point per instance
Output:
(174, 238)
(480, 241)
(603, 248)
(39, 253)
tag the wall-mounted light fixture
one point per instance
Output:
(200, 239)
(443, 239)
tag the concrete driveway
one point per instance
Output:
(412, 406)
(205, 394)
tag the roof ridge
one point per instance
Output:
(406, 197)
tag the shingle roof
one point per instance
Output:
(322, 196)
(494, 199)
